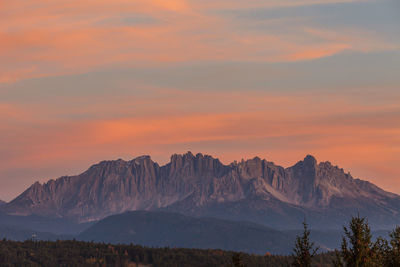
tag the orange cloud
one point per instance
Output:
(279, 127)
(47, 38)
(235, 4)
(52, 38)
(175, 5)
(319, 52)
(258, 117)
(282, 139)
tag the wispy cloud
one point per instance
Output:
(82, 81)
(48, 38)
(278, 126)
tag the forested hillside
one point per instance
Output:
(77, 253)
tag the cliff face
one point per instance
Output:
(201, 185)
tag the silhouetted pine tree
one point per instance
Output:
(304, 250)
(381, 252)
(357, 248)
(393, 257)
(337, 261)
(237, 260)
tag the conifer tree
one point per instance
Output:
(381, 252)
(304, 250)
(237, 260)
(357, 247)
(394, 251)
(337, 261)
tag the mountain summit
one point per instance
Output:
(200, 185)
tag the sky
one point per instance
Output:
(91, 80)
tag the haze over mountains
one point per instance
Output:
(162, 229)
(159, 229)
(200, 185)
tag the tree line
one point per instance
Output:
(77, 253)
(357, 248)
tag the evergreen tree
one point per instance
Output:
(237, 260)
(394, 251)
(337, 261)
(381, 252)
(357, 247)
(304, 250)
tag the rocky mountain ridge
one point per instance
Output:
(201, 185)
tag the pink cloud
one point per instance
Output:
(358, 137)
(52, 38)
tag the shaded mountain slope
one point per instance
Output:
(37, 223)
(21, 234)
(161, 229)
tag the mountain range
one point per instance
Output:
(162, 229)
(165, 229)
(199, 185)
(35, 223)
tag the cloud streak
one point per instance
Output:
(83, 81)
(278, 126)
(68, 37)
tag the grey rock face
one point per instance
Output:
(201, 185)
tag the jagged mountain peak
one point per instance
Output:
(309, 162)
(191, 165)
(143, 158)
(189, 156)
(310, 159)
(197, 184)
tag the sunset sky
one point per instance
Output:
(90, 80)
